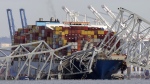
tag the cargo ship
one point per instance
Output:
(81, 36)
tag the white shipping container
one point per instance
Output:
(75, 43)
(92, 40)
(72, 47)
(98, 40)
(72, 43)
(84, 48)
(29, 26)
(43, 31)
(69, 43)
(95, 40)
(76, 47)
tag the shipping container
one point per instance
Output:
(61, 36)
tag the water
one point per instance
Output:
(134, 81)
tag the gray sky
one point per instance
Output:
(36, 9)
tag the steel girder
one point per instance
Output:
(24, 56)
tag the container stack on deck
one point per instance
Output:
(60, 36)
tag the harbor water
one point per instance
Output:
(133, 81)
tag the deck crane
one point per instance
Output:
(109, 12)
(100, 18)
(72, 15)
(11, 23)
(23, 18)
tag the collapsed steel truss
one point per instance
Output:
(24, 57)
(134, 31)
(137, 43)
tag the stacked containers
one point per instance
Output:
(60, 36)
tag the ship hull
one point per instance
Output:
(103, 70)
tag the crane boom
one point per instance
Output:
(11, 23)
(100, 18)
(109, 12)
(23, 18)
(71, 14)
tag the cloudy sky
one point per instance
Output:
(36, 9)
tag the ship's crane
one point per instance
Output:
(109, 12)
(11, 23)
(23, 18)
(100, 18)
(72, 15)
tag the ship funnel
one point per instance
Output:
(40, 19)
(52, 19)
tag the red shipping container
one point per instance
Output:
(22, 37)
(65, 28)
(41, 27)
(69, 31)
(92, 36)
(105, 32)
(16, 33)
(72, 35)
(69, 35)
(72, 28)
(78, 31)
(66, 35)
(95, 32)
(26, 30)
(100, 36)
(68, 39)
(85, 28)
